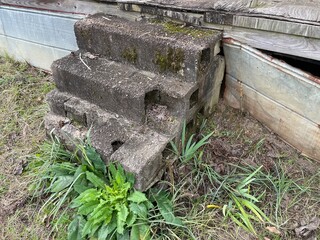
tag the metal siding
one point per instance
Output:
(37, 55)
(40, 27)
(37, 37)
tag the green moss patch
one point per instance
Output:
(173, 27)
(171, 61)
(130, 54)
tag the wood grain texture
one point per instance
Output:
(292, 10)
(64, 6)
(273, 25)
(286, 85)
(276, 42)
(290, 126)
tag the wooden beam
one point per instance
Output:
(276, 42)
(290, 126)
(289, 10)
(64, 6)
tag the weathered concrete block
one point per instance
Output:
(142, 155)
(110, 85)
(138, 149)
(154, 47)
(56, 102)
(132, 85)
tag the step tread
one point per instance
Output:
(111, 74)
(149, 46)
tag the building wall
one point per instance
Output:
(38, 37)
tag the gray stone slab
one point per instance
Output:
(148, 46)
(109, 85)
(142, 155)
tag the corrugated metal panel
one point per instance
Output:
(38, 37)
(40, 27)
(36, 54)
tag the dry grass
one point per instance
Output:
(22, 107)
(238, 139)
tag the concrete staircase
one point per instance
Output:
(134, 84)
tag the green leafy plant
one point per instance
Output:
(111, 211)
(103, 198)
(66, 175)
(190, 148)
(241, 207)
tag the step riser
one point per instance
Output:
(162, 52)
(139, 153)
(133, 92)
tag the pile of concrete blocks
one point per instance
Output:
(134, 84)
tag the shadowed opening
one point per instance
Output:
(194, 98)
(116, 145)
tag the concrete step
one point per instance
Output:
(122, 89)
(165, 48)
(138, 148)
(134, 84)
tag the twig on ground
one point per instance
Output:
(84, 62)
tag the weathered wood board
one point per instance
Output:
(290, 126)
(289, 86)
(63, 6)
(276, 42)
(295, 10)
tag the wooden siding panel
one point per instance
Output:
(276, 42)
(290, 126)
(278, 81)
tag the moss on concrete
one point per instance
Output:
(130, 54)
(172, 27)
(171, 61)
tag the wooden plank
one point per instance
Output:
(225, 15)
(275, 79)
(45, 28)
(273, 25)
(64, 6)
(37, 55)
(290, 126)
(292, 10)
(276, 42)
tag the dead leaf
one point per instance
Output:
(273, 230)
(307, 230)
